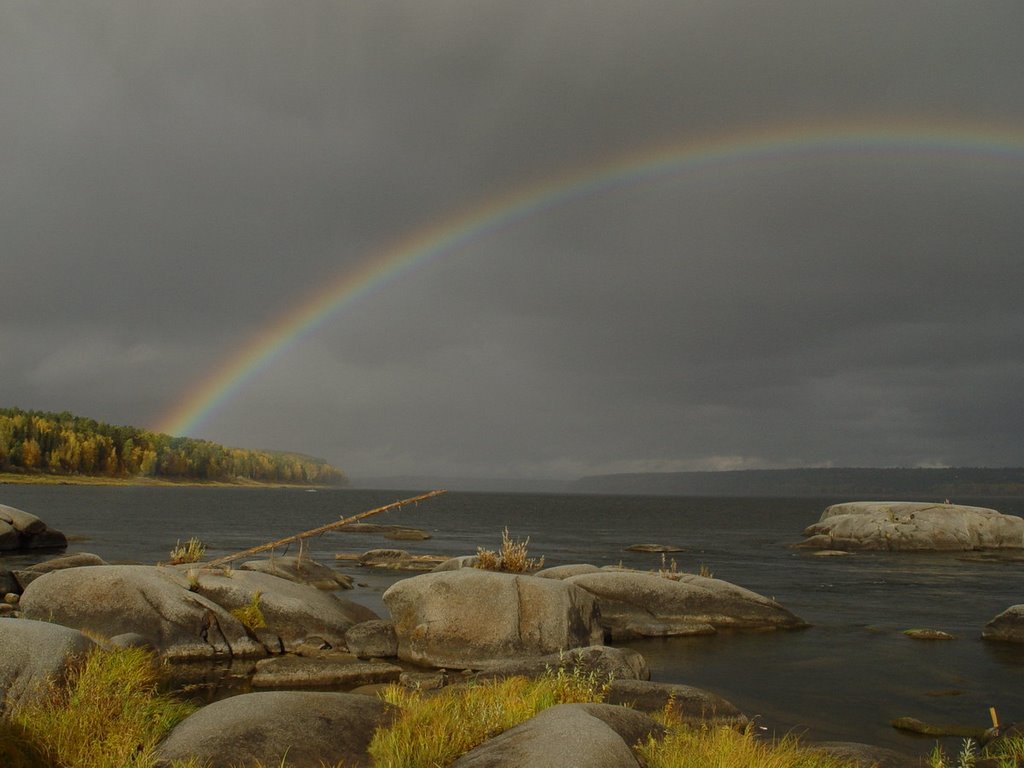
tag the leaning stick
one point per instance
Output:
(321, 529)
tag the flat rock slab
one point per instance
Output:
(301, 570)
(34, 653)
(907, 525)
(592, 735)
(642, 604)
(689, 704)
(325, 672)
(460, 619)
(603, 660)
(152, 601)
(1007, 627)
(309, 728)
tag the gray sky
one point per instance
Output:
(175, 176)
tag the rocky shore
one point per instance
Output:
(311, 660)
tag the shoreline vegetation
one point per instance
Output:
(65, 448)
(12, 478)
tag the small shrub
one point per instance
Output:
(511, 559)
(190, 552)
(251, 615)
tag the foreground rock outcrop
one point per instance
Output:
(33, 654)
(906, 525)
(311, 729)
(594, 735)
(460, 619)
(641, 604)
(23, 530)
(1007, 627)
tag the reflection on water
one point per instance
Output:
(845, 677)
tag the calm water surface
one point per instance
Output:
(844, 678)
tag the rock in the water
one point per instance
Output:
(383, 557)
(606, 662)
(640, 604)
(592, 735)
(292, 611)
(372, 639)
(152, 601)
(35, 652)
(459, 619)
(300, 569)
(337, 671)
(665, 548)
(1008, 626)
(906, 525)
(309, 729)
(23, 530)
(928, 634)
(864, 755)
(689, 704)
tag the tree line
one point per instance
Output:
(65, 444)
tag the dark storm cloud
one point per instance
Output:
(177, 175)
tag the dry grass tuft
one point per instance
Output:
(435, 730)
(511, 559)
(109, 714)
(191, 551)
(251, 615)
(724, 747)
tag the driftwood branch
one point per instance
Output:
(322, 529)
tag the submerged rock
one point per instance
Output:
(333, 670)
(641, 604)
(459, 619)
(604, 661)
(905, 525)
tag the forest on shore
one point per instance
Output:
(62, 444)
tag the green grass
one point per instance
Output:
(191, 551)
(251, 615)
(109, 714)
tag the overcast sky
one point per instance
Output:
(176, 175)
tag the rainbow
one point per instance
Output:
(421, 247)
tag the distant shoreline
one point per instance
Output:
(12, 478)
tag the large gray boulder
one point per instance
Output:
(303, 570)
(309, 729)
(458, 619)
(35, 653)
(691, 705)
(372, 639)
(911, 525)
(152, 601)
(591, 735)
(26, 576)
(642, 604)
(292, 611)
(23, 530)
(1008, 626)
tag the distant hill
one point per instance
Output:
(855, 482)
(62, 444)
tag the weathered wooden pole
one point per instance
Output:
(321, 529)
